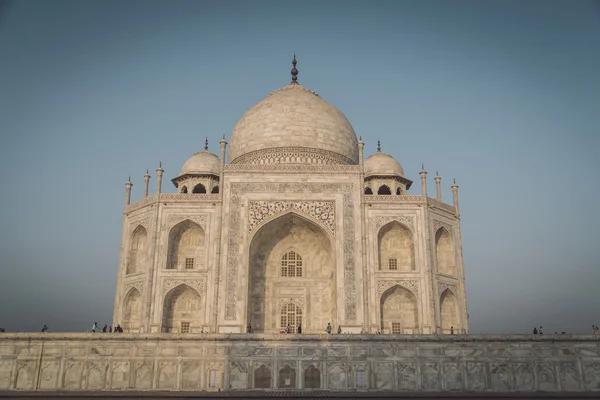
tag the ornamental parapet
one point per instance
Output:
(295, 168)
(405, 199)
(441, 205)
(174, 198)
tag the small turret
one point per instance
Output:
(146, 182)
(455, 195)
(438, 186)
(128, 186)
(423, 174)
(159, 174)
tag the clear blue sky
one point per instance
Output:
(502, 95)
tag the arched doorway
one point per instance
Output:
(136, 262)
(396, 248)
(399, 311)
(186, 246)
(444, 250)
(291, 262)
(133, 311)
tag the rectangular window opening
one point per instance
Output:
(189, 263)
(396, 328)
(185, 327)
(393, 264)
(212, 378)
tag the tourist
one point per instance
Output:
(45, 328)
(249, 328)
(328, 329)
(105, 328)
(299, 328)
(535, 332)
(339, 329)
(118, 329)
(595, 329)
(94, 327)
(288, 329)
(541, 333)
(110, 329)
(452, 330)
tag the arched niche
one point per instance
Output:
(262, 377)
(399, 311)
(184, 189)
(132, 313)
(215, 190)
(199, 188)
(368, 190)
(136, 260)
(287, 378)
(449, 311)
(183, 310)
(384, 189)
(186, 246)
(396, 248)
(444, 252)
(268, 290)
(312, 378)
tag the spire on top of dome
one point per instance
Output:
(294, 70)
(378, 146)
(206, 144)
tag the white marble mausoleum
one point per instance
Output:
(296, 226)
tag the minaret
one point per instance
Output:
(146, 181)
(159, 174)
(223, 144)
(438, 186)
(423, 174)
(361, 146)
(455, 195)
(294, 71)
(128, 186)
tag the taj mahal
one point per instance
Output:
(291, 225)
(297, 226)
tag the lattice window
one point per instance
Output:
(213, 378)
(361, 379)
(291, 264)
(393, 264)
(185, 327)
(189, 263)
(291, 315)
(396, 328)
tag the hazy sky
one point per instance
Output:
(502, 95)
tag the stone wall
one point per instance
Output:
(339, 362)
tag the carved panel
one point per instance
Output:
(407, 220)
(198, 284)
(440, 224)
(407, 376)
(236, 191)
(443, 286)
(174, 219)
(145, 222)
(139, 285)
(410, 284)
(323, 211)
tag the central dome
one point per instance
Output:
(293, 125)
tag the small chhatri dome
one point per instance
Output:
(202, 163)
(382, 164)
(293, 125)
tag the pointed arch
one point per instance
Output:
(183, 310)
(368, 190)
(312, 378)
(287, 378)
(186, 247)
(262, 377)
(399, 311)
(267, 288)
(199, 188)
(215, 190)
(297, 213)
(398, 191)
(396, 248)
(384, 189)
(184, 189)
(449, 312)
(291, 264)
(132, 311)
(444, 252)
(136, 260)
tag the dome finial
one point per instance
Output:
(206, 144)
(378, 146)
(294, 70)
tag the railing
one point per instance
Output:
(174, 198)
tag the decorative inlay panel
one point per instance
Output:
(324, 211)
(443, 286)
(198, 284)
(174, 219)
(233, 245)
(145, 222)
(407, 220)
(439, 224)
(410, 284)
(296, 168)
(139, 285)
(292, 155)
